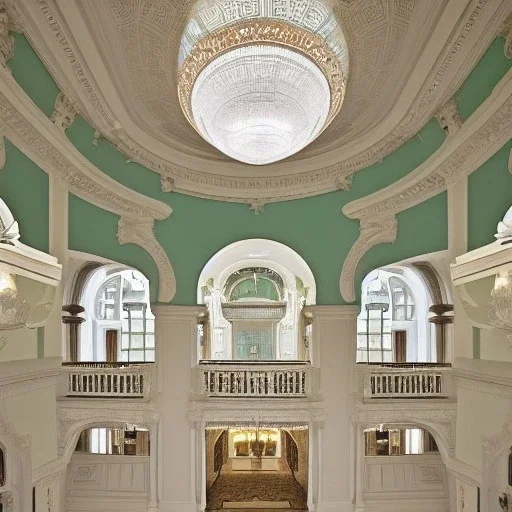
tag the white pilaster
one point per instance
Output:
(58, 238)
(334, 335)
(461, 340)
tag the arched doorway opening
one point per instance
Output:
(251, 467)
(255, 291)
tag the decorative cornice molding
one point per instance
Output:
(64, 112)
(371, 233)
(484, 133)
(245, 411)
(442, 81)
(6, 40)
(47, 146)
(506, 32)
(132, 230)
(32, 132)
(448, 117)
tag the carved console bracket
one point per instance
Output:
(132, 230)
(6, 40)
(480, 137)
(371, 233)
(506, 32)
(449, 118)
(64, 112)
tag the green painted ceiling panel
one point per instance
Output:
(421, 230)
(24, 188)
(94, 231)
(32, 76)
(491, 68)
(489, 197)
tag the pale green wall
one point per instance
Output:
(489, 197)
(481, 81)
(24, 188)
(198, 227)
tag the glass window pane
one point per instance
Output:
(137, 325)
(150, 356)
(137, 341)
(150, 340)
(124, 356)
(150, 325)
(136, 355)
(125, 341)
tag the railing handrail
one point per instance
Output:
(239, 363)
(105, 364)
(409, 366)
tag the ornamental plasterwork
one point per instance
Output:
(372, 232)
(64, 112)
(440, 421)
(448, 117)
(6, 40)
(260, 32)
(484, 133)
(34, 134)
(132, 230)
(384, 24)
(72, 420)
(507, 34)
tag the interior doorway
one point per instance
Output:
(257, 468)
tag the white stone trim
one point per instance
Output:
(473, 29)
(482, 135)
(47, 146)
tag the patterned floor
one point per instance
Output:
(265, 486)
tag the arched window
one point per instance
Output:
(255, 291)
(402, 299)
(392, 326)
(121, 326)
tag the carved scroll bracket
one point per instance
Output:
(449, 118)
(133, 230)
(506, 32)
(64, 112)
(371, 233)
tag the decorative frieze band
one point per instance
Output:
(64, 112)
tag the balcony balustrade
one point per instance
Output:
(106, 380)
(257, 379)
(423, 380)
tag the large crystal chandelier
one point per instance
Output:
(261, 79)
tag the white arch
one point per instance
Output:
(257, 252)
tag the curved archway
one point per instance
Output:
(255, 291)
(257, 252)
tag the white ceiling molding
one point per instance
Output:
(46, 145)
(452, 46)
(134, 231)
(480, 137)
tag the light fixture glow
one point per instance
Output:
(262, 81)
(260, 104)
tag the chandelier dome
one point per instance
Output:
(261, 79)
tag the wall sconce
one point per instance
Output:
(500, 303)
(14, 310)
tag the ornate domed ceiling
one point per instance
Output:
(118, 61)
